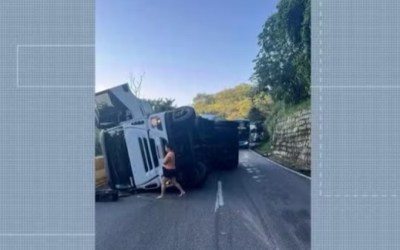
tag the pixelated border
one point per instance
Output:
(47, 46)
(320, 129)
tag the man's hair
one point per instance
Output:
(169, 146)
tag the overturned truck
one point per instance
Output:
(133, 141)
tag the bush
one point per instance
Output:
(276, 113)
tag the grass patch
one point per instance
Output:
(289, 110)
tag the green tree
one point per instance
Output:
(262, 101)
(255, 115)
(229, 103)
(282, 66)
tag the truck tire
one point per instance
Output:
(183, 114)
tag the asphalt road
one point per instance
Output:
(258, 206)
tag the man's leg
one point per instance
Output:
(176, 184)
(163, 183)
(168, 183)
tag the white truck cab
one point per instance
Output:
(133, 156)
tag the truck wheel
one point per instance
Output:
(183, 114)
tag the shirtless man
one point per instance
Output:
(169, 172)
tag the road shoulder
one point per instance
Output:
(281, 165)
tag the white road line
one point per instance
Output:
(279, 165)
(221, 196)
(219, 202)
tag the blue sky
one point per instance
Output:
(184, 47)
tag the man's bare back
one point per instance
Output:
(169, 161)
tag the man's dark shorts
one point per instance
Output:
(169, 173)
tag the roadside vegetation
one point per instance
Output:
(230, 103)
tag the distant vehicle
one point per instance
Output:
(256, 132)
(244, 133)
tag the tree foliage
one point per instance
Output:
(230, 103)
(282, 66)
(161, 104)
(262, 103)
(255, 114)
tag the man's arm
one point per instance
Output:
(167, 158)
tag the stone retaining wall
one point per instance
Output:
(291, 140)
